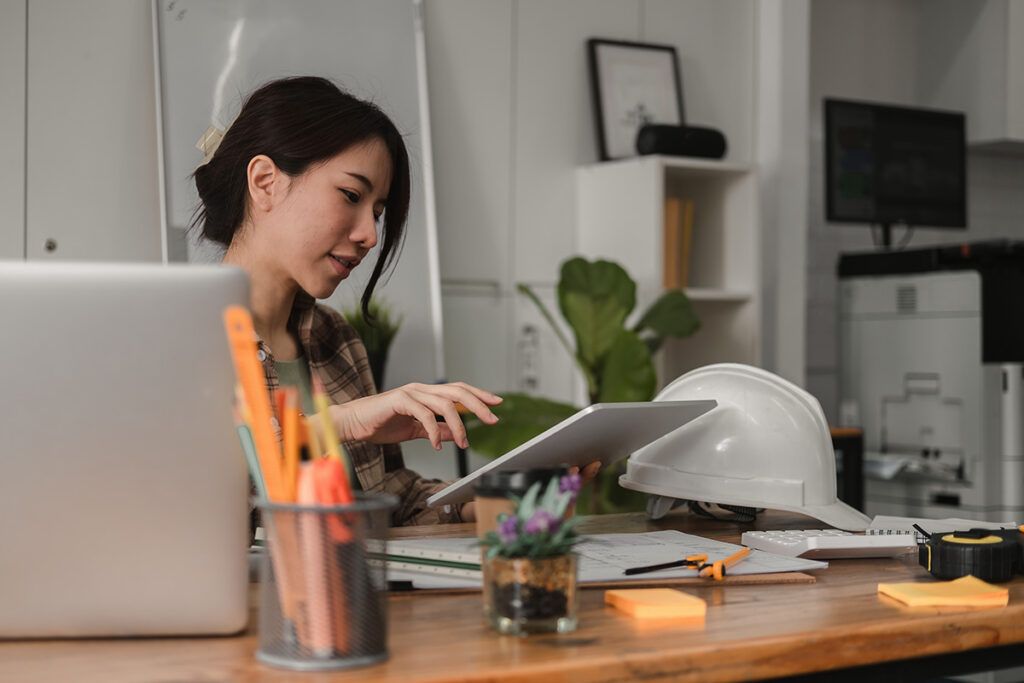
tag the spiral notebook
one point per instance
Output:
(886, 524)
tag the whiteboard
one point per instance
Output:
(210, 54)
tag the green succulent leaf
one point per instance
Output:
(672, 315)
(628, 372)
(595, 298)
(529, 502)
(521, 417)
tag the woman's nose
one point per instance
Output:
(366, 232)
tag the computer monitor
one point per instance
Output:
(123, 488)
(887, 165)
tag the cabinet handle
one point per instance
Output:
(50, 245)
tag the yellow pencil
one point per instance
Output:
(314, 440)
(330, 436)
(333, 446)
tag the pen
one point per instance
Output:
(691, 561)
(716, 570)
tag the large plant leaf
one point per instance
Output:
(521, 417)
(672, 315)
(595, 299)
(588, 372)
(628, 372)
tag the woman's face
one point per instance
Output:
(321, 224)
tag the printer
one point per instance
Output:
(932, 356)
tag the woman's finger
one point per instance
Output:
(469, 400)
(484, 395)
(591, 470)
(446, 409)
(422, 414)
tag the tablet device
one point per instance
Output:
(604, 431)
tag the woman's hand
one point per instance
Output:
(410, 412)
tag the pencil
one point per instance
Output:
(315, 566)
(242, 338)
(290, 438)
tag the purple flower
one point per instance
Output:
(508, 530)
(570, 483)
(541, 522)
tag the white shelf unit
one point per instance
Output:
(620, 217)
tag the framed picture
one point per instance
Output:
(632, 84)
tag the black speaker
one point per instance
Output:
(684, 141)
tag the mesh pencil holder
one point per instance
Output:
(323, 603)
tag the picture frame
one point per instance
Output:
(632, 84)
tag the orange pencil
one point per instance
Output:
(290, 438)
(242, 338)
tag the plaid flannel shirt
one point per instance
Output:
(336, 356)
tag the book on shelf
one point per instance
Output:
(678, 236)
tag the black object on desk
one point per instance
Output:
(850, 443)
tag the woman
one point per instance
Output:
(296, 192)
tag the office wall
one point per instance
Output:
(12, 129)
(884, 50)
(512, 118)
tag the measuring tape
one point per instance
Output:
(988, 554)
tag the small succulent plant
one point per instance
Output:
(538, 527)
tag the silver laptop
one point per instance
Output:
(123, 490)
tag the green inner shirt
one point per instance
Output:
(295, 373)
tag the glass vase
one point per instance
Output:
(531, 595)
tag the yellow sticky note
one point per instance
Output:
(966, 591)
(656, 603)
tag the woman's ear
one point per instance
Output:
(262, 175)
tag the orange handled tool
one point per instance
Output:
(717, 570)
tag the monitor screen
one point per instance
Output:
(887, 165)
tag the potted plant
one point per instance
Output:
(529, 569)
(616, 360)
(377, 333)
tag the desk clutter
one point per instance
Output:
(328, 560)
(448, 563)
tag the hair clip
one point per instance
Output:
(208, 142)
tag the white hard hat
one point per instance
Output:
(766, 445)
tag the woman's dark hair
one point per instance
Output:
(298, 122)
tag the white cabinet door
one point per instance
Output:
(12, 129)
(92, 188)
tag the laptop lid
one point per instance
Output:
(123, 490)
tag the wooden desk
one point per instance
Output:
(751, 632)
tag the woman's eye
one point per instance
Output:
(352, 196)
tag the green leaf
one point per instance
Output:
(628, 373)
(595, 298)
(563, 504)
(529, 504)
(550, 494)
(672, 315)
(521, 417)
